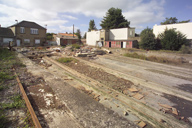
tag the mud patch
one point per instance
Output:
(100, 75)
(185, 87)
(183, 106)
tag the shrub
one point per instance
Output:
(185, 49)
(172, 40)
(148, 40)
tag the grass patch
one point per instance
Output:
(66, 60)
(5, 54)
(3, 119)
(135, 55)
(152, 58)
(76, 46)
(18, 102)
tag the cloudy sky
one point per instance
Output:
(60, 15)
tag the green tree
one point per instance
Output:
(49, 36)
(172, 40)
(78, 33)
(148, 40)
(184, 21)
(92, 25)
(114, 19)
(173, 20)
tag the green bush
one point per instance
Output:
(172, 40)
(148, 40)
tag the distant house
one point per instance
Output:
(28, 33)
(6, 35)
(120, 38)
(64, 39)
(185, 28)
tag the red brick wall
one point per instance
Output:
(66, 41)
(117, 44)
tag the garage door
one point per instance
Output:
(37, 41)
(7, 40)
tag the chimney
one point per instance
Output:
(73, 30)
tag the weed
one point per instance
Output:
(5, 54)
(5, 76)
(3, 119)
(135, 55)
(18, 102)
(76, 46)
(152, 58)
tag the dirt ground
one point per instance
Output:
(98, 92)
(82, 110)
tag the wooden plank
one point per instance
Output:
(165, 106)
(133, 90)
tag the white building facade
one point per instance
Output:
(113, 35)
(185, 28)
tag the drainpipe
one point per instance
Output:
(16, 32)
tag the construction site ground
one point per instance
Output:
(106, 90)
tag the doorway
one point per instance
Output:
(109, 44)
(18, 42)
(123, 44)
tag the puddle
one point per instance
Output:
(183, 106)
(185, 87)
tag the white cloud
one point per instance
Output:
(69, 29)
(69, 17)
(53, 12)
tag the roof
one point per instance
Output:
(67, 36)
(6, 32)
(28, 24)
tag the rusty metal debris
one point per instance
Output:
(28, 104)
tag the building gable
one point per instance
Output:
(28, 24)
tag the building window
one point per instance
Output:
(22, 30)
(26, 40)
(34, 31)
(37, 41)
(102, 38)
